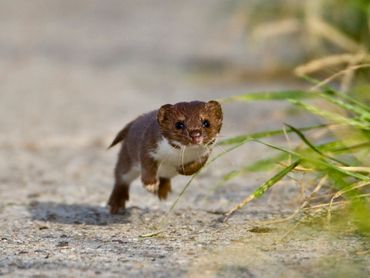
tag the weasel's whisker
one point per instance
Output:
(208, 146)
(182, 158)
(180, 155)
(222, 149)
(209, 149)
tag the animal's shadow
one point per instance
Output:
(79, 213)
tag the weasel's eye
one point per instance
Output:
(180, 125)
(206, 123)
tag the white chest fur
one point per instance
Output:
(171, 158)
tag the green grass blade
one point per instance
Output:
(331, 97)
(266, 164)
(310, 145)
(263, 188)
(244, 138)
(329, 91)
(266, 185)
(317, 162)
(340, 148)
(352, 100)
(331, 116)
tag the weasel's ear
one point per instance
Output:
(215, 108)
(163, 112)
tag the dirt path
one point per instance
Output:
(69, 81)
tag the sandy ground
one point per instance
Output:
(71, 76)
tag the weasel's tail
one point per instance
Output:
(121, 135)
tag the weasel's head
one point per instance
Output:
(190, 123)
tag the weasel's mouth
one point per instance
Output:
(198, 140)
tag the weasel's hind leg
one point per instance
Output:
(118, 197)
(164, 188)
(125, 173)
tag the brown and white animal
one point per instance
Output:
(176, 139)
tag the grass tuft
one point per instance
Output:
(343, 159)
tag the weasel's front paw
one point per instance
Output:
(152, 187)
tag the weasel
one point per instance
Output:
(175, 139)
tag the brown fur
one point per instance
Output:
(140, 140)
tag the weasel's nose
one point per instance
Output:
(196, 136)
